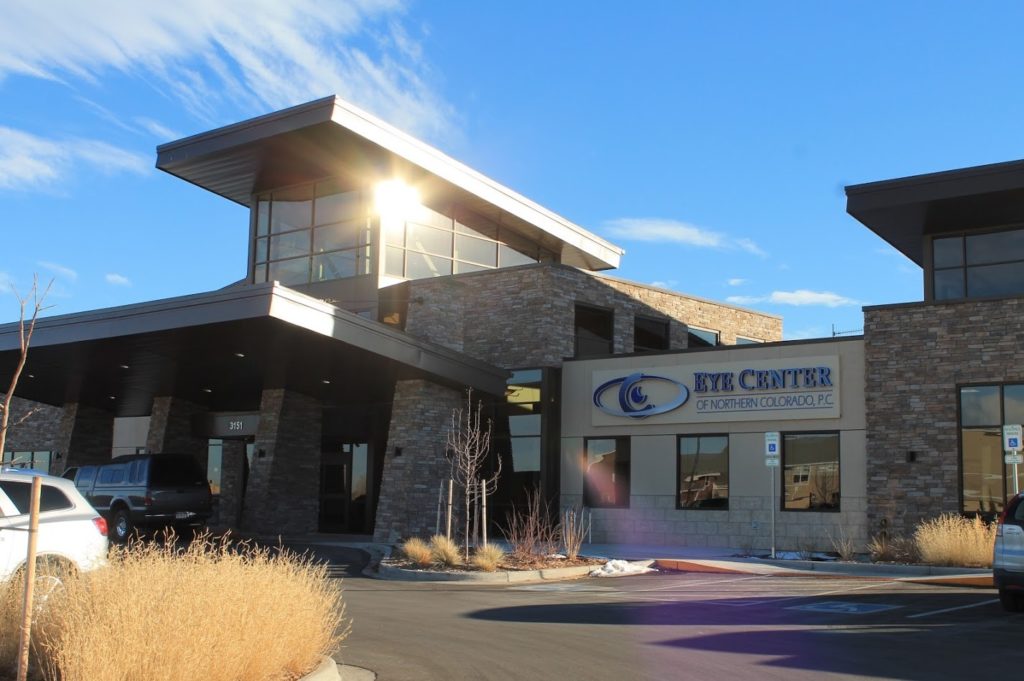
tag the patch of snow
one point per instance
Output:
(557, 556)
(618, 568)
(800, 555)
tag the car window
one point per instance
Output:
(50, 498)
(86, 476)
(1018, 513)
(175, 470)
(111, 475)
(139, 472)
(69, 474)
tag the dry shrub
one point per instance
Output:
(530, 531)
(488, 556)
(445, 551)
(954, 540)
(843, 544)
(418, 551)
(574, 529)
(210, 611)
(884, 548)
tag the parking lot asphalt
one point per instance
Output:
(680, 626)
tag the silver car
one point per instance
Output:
(1008, 555)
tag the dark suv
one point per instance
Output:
(148, 491)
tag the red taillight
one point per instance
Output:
(101, 524)
(148, 501)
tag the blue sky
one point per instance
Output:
(710, 140)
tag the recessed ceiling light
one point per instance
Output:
(125, 366)
(240, 354)
(207, 390)
(325, 382)
(112, 397)
(31, 375)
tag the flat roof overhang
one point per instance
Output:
(904, 211)
(221, 349)
(330, 137)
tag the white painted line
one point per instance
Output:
(682, 585)
(960, 607)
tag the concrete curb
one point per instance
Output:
(326, 671)
(499, 577)
(930, 574)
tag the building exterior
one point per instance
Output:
(384, 279)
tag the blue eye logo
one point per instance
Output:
(632, 401)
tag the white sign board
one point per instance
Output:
(1013, 458)
(699, 391)
(772, 445)
(771, 461)
(1012, 437)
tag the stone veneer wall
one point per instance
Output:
(38, 431)
(284, 482)
(419, 422)
(523, 316)
(170, 429)
(916, 355)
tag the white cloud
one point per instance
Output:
(800, 297)
(670, 283)
(30, 162)
(736, 281)
(59, 270)
(117, 279)
(674, 231)
(251, 54)
(157, 129)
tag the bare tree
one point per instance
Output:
(26, 327)
(469, 445)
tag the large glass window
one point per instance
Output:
(650, 334)
(810, 471)
(432, 243)
(978, 265)
(314, 232)
(701, 338)
(39, 461)
(984, 409)
(703, 471)
(594, 329)
(606, 472)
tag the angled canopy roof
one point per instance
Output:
(905, 210)
(222, 349)
(330, 137)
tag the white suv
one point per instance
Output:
(72, 535)
(1008, 555)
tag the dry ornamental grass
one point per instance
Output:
(210, 611)
(487, 557)
(954, 540)
(418, 552)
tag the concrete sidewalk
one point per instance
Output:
(725, 560)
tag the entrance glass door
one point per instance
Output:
(343, 489)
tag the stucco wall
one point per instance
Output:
(652, 516)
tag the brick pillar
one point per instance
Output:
(170, 429)
(232, 470)
(420, 416)
(283, 495)
(85, 436)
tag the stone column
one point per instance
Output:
(283, 495)
(232, 475)
(170, 429)
(414, 460)
(85, 436)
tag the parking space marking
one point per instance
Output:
(687, 584)
(844, 607)
(959, 607)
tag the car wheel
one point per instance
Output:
(1010, 600)
(122, 526)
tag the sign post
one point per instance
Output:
(1012, 444)
(772, 443)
